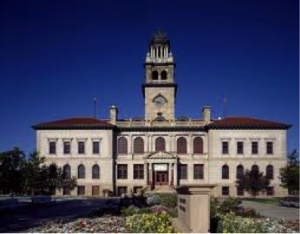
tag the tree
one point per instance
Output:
(44, 179)
(31, 174)
(253, 182)
(11, 171)
(35, 173)
(289, 175)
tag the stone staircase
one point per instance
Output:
(161, 189)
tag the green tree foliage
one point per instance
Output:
(289, 175)
(30, 174)
(253, 182)
(11, 171)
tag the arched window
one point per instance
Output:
(164, 75)
(198, 145)
(270, 172)
(122, 145)
(81, 172)
(138, 145)
(160, 144)
(181, 145)
(255, 168)
(239, 171)
(225, 172)
(67, 171)
(96, 172)
(155, 75)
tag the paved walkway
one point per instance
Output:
(273, 211)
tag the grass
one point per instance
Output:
(271, 200)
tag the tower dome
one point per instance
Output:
(159, 37)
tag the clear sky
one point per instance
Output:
(55, 56)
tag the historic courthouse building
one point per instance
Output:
(160, 151)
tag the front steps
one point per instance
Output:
(161, 189)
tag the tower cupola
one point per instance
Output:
(159, 88)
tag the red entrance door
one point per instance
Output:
(161, 178)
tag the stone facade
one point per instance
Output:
(161, 150)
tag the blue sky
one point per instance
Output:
(56, 56)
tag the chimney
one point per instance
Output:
(206, 112)
(113, 111)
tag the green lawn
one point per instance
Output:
(271, 200)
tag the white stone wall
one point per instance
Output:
(232, 159)
(212, 157)
(104, 159)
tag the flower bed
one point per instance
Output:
(105, 224)
(150, 223)
(229, 216)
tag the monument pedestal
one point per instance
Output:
(194, 208)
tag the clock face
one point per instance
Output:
(159, 101)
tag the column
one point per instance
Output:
(170, 173)
(150, 174)
(190, 144)
(175, 174)
(130, 144)
(146, 173)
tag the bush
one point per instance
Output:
(132, 210)
(168, 199)
(248, 213)
(230, 223)
(159, 209)
(277, 226)
(153, 200)
(231, 205)
(150, 223)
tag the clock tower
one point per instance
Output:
(159, 89)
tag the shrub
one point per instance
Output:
(152, 200)
(132, 210)
(277, 226)
(168, 199)
(159, 209)
(150, 223)
(248, 212)
(128, 211)
(230, 223)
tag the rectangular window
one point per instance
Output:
(270, 191)
(81, 147)
(122, 190)
(198, 171)
(95, 190)
(225, 148)
(240, 191)
(240, 147)
(137, 189)
(66, 191)
(52, 147)
(269, 147)
(138, 171)
(67, 147)
(183, 171)
(225, 191)
(96, 147)
(122, 171)
(254, 147)
(80, 190)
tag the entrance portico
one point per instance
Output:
(161, 169)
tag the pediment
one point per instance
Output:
(161, 155)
